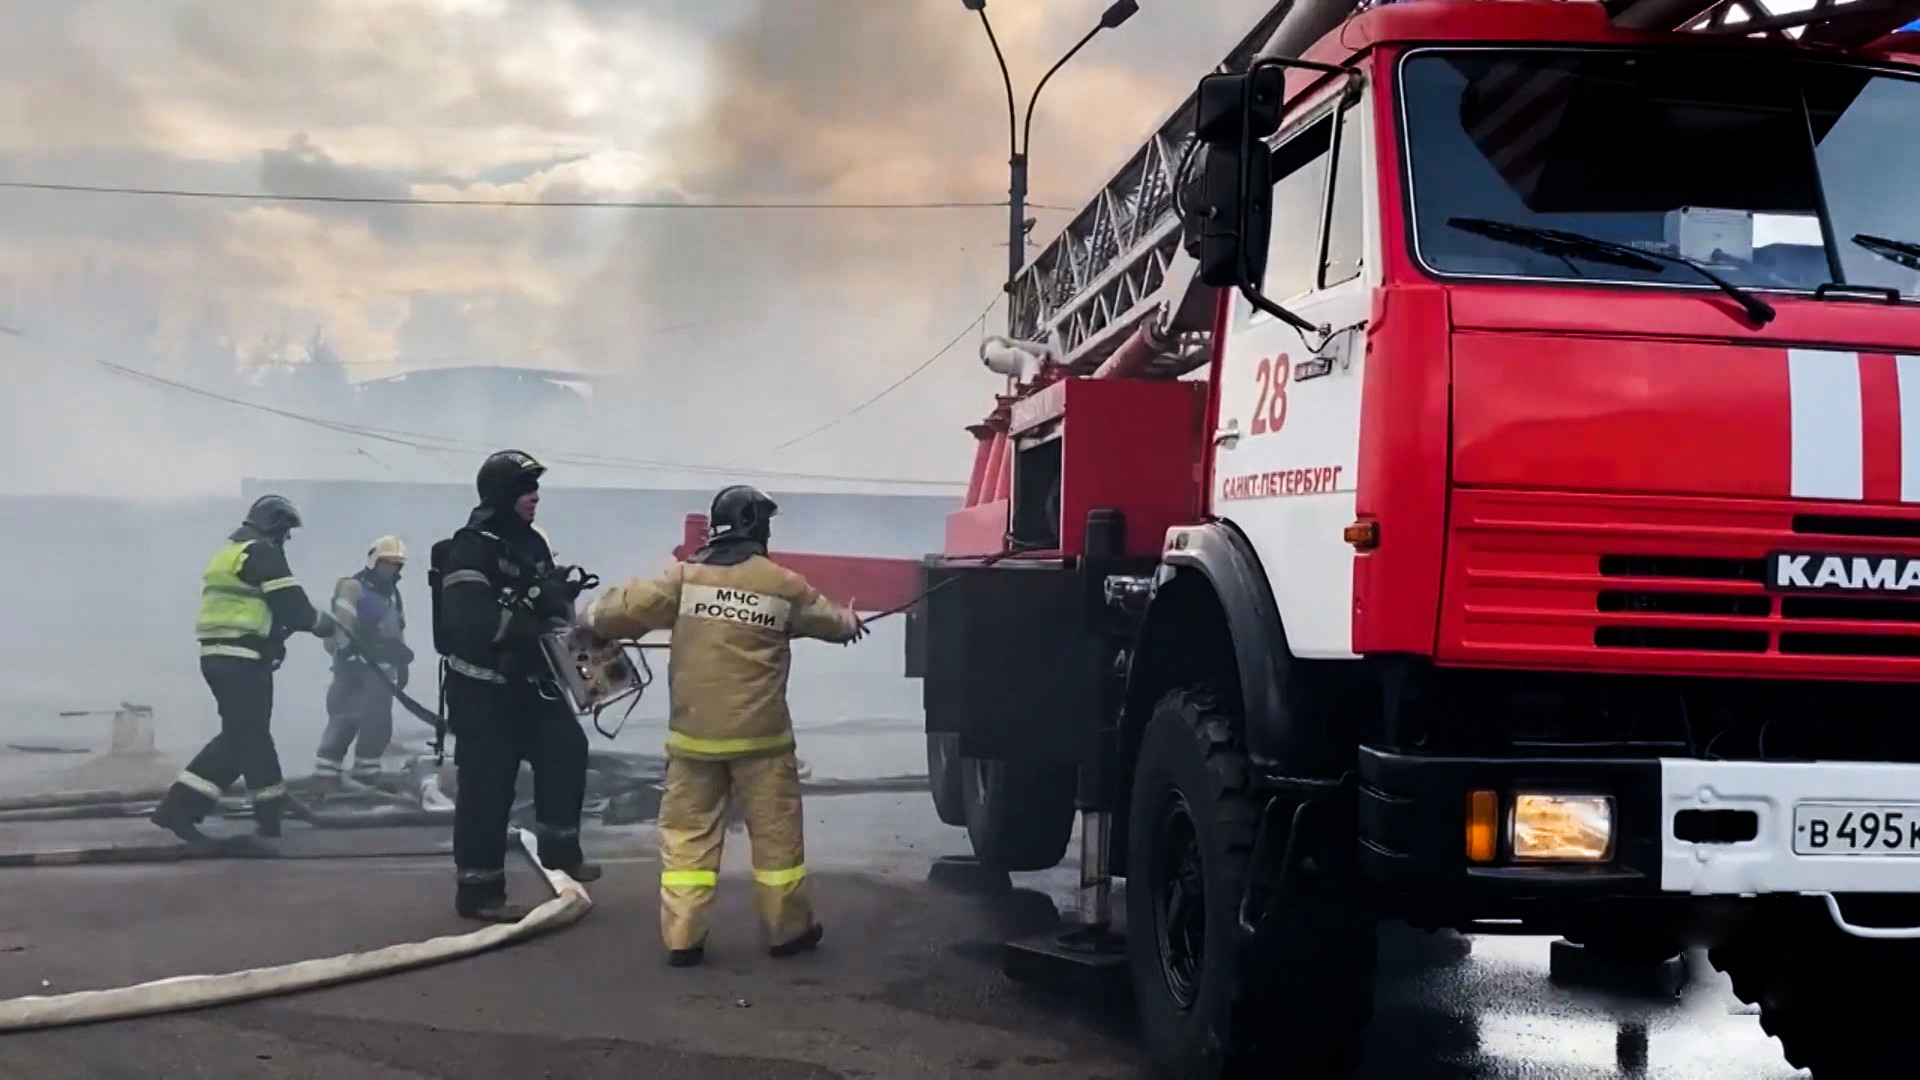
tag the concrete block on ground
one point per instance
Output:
(132, 732)
(963, 874)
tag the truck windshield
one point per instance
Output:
(1763, 168)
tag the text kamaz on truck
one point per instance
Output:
(1476, 481)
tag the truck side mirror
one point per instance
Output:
(1231, 211)
(1227, 216)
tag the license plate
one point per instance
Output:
(1856, 829)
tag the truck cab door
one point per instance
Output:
(1286, 454)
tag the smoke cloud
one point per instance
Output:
(713, 336)
(698, 336)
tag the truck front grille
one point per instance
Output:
(1668, 584)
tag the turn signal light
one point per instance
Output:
(1363, 535)
(1483, 826)
(1562, 827)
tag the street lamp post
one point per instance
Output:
(1020, 131)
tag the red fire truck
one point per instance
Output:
(1465, 467)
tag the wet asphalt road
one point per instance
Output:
(908, 984)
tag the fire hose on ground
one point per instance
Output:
(629, 792)
(401, 811)
(185, 992)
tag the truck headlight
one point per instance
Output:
(1562, 827)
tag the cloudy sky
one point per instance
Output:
(718, 334)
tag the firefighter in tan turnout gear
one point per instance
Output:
(734, 614)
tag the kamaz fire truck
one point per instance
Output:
(1465, 467)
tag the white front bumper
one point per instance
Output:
(1767, 863)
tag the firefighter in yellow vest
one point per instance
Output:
(250, 604)
(734, 614)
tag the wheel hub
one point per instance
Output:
(1180, 902)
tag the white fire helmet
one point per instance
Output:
(387, 547)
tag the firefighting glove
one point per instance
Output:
(852, 625)
(324, 625)
(523, 627)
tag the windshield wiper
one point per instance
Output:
(1561, 243)
(1904, 252)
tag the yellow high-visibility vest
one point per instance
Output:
(231, 609)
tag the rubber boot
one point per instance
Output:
(487, 902)
(494, 911)
(688, 957)
(806, 942)
(560, 850)
(266, 818)
(176, 817)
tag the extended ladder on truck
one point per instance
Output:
(1115, 287)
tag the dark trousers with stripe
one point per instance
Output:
(243, 691)
(495, 728)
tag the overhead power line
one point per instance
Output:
(427, 364)
(897, 383)
(434, 443)
(555, 204)
(444, 444)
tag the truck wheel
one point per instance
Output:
(1019, 814)
(1212, 1003)
(943, 776)
(1842, 1009)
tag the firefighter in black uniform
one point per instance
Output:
(498, 591)
(249, 605)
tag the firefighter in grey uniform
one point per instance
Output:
(359, 700)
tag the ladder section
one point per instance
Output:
(1119, 261)
(1111, 267)
(1847, 24)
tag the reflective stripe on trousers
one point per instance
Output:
(689, 879)
(693, 817)
(238, 652)
(474, 671)
(727, 749)
(774, 879)
(201, 784)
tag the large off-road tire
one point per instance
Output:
(1019, 814)
(1841, 1007)
(943, 777)
(1290, 1002)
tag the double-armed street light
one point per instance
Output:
(1020, 131)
